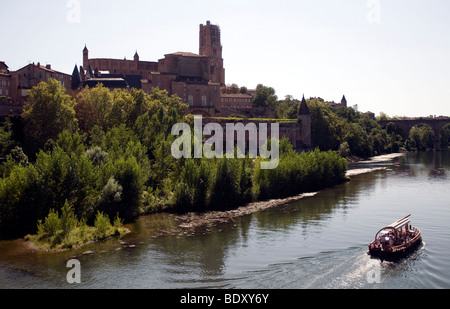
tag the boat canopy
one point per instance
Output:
(400, 223)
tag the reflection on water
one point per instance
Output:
(317, 242)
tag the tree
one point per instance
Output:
(6, 142)
(445, 136)
(421, 137)
(94, 107)
(265, 97)
(49, 111)
(326, 126)
(288, 108)
(225, 184)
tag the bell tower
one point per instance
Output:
(85, 57)
(211, 46)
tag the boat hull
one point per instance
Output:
(395, 254)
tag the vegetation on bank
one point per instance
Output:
(70, 165)
(108, 155)
(63, 231)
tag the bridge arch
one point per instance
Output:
(407, 124)
(445, 136)
(422, 136)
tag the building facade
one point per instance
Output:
(5, 83)
(195, 78)
(31, 75)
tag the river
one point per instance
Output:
(316, 242)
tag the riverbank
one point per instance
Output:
(378, 159)
(196, 220)
(381, 158)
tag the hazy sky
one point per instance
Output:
(384, 55)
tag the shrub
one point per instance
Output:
(51, 225)
(102, 226)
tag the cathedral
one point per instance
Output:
(196, 78)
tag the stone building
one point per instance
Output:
(14, 85)
(31, 75)
(195, 78)
(297, 132)
(5, 83)
(198, 79)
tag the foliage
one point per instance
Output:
(421, 137)
(49, 111)
(6, 141)
(298, 173)
(66, 231)
(445, 137)
(265, 97)
(118, 164)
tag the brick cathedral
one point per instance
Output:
(196, 78)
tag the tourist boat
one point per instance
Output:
(396, 240)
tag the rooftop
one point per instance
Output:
(186, 54)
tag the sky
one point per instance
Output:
(390, 56)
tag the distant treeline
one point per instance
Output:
(350, 132)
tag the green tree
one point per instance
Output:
(325, 126)
(6, 141)
(67, 177)
(445, 136)
(225, 184)
(48, 112)
(265, 97)
(421, 137)
(94, 107)
(20, 196)
(288, 108)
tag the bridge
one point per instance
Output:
(406, 124)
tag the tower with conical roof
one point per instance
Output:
(344, 101)
(304, 122)
(76, 79)
(136, 60)
(85, 57)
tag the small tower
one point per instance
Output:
(85, 57)
(76, 79)
(136, 60)
(304, 122)
(344, 101)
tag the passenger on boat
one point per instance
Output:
(385, 242)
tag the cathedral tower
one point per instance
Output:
(85, 57)
(210, 46)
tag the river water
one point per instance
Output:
(317, 242)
